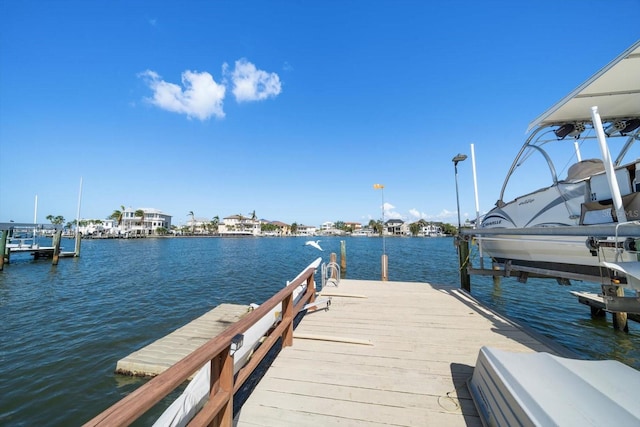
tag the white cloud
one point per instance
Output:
(390, 213)
(417, 214)
(444, 215)
(201, 97)
(251, 84)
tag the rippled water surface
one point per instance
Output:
(64, 328)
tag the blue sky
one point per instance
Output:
(292, 109)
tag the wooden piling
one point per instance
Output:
(620, 320)
(56, 247)
(496, 279)
(343, 256)
(332, 260)
(76, 252)
(463, 252)
(385, 267)
(3, 247)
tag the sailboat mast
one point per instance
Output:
(78, 213)
(35, 219)
(77, 248)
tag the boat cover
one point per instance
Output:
(540, 389)
(615, 90)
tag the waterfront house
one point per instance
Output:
(329, 229)
(430, 230)
(307, 230)
(98, 227)
(239, 225)
(354, 226)
(395, 227)
(283, 228)
(199, 225)
(149, 224)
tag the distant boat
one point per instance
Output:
(363, 232)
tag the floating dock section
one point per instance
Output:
(597, 304)
(163, 353)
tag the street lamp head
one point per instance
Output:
(459, 158)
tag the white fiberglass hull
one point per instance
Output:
(567, 256)
(563, 205)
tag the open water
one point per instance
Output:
(62, 329)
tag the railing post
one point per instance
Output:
(287, 316)
(311, 290)
(222, 381)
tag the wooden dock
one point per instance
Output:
(165, 352)
(385, 353)
(598, 307)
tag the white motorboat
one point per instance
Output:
(583, 223)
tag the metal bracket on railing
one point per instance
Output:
(319, 304)
(236, 343)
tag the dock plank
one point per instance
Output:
(424, 341)
(165, 352)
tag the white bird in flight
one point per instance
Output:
(315, 244)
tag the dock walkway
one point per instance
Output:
(385, 353)
(156, 357)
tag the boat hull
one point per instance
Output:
(561, 256)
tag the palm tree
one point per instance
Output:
(193, 221)
(294, 228)
(55, 220)
(215, 222)
(117, 215)
(253, 215)
(414, 228)
(241, 222)
(139, 213)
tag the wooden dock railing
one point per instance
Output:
(218, 411)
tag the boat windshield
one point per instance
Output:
(546, 159)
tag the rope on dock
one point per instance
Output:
(330, 338)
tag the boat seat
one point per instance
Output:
(603, 212)
(584, 169)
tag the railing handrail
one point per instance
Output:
(134, 405)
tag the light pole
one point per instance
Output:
(384, 252)
(455, 160)
(462, 245)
